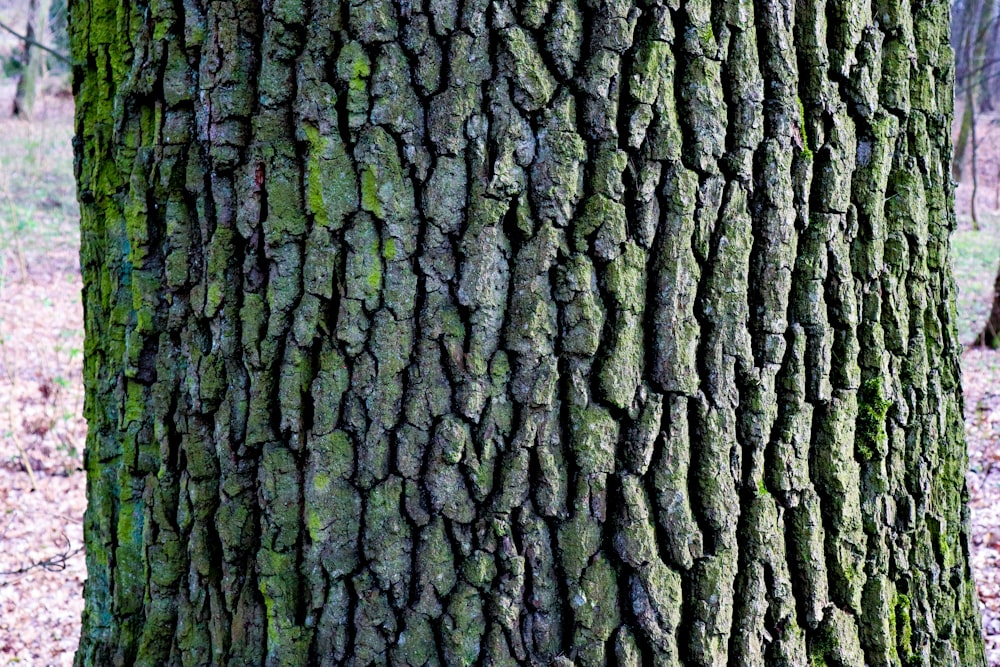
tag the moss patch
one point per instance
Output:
(873, 406)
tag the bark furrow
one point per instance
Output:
(534, 332)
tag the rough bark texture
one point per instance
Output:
(565, 332)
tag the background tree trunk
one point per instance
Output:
(552, 333)
(34, 58)
(975, 75)
(990, 335)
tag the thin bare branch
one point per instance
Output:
(56, 563)
(24, 38)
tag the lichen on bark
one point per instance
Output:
(566, 332)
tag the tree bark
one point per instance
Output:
(557, 333)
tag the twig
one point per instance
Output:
(55, 563)
(25, 461)
(32, 42)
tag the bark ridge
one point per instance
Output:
(547, 332)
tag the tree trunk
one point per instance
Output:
(964, 28)
(991, 66)
(990, 335)
(973, 162)
(34, 58)
(565, 333)
(975, 82)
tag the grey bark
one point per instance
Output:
(548, 333)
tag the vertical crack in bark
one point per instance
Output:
(477, 332)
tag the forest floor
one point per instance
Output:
(975, 256)
(41, 395)
(41, 398)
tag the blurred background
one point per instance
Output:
(976, 261)
(41, 343)
(41, 325)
